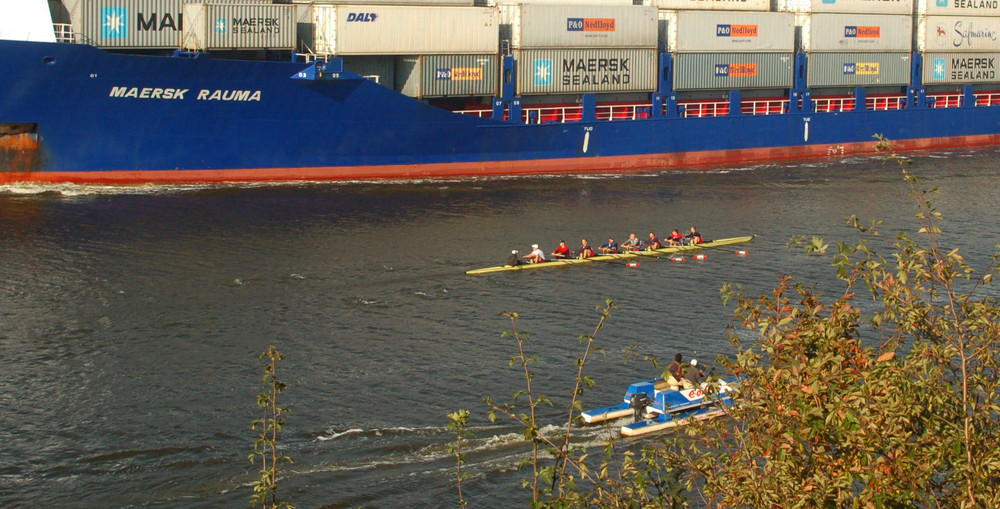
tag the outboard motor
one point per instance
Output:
(639, 401)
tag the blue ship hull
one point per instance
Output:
(74, 113)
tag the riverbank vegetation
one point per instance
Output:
(884, 394)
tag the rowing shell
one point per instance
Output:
(613, 257)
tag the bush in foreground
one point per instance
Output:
(885, 395)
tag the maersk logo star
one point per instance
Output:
(543, 72)
(220, 25)
(114, 24)
(939, 68)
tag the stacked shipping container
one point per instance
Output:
(435, 51)
(572, 49)
(238, 26)
(959, 40)
(135, 24)
(725, 50)
(854, 43)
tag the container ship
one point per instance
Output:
(137, 91)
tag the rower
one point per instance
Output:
(535, 256)
(694, 237)
(653, 242)
(675, 238)
(562, 251)
(609, 247)
(632, 244)
(585, 250)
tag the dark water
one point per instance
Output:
(131, 320)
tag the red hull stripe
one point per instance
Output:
(478, 169)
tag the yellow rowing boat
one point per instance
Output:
(613, 257)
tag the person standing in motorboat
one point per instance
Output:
(675, 372)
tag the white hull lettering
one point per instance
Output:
(229, 95)
(148, 93)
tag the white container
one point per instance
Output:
(957, 7)
(575, 71)
(957, 34)
(854, 32)
(404, 30)
(947, 68)
(727, 31)
(846, 6)
(242, 26)
(536, 26)
(711, 5)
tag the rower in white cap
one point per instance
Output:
(535, 256)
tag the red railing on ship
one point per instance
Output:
(714, 108)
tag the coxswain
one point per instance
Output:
(609, 247)
(513, 260)
(675, 238)
(585, 250)
(694, 237)
(535, 256)
(633, 243)
(562, 251)
(653, 242)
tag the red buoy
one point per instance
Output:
(741, 252)
(632, 264)
(700, 257)
(677, 259)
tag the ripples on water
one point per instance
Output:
(131, 318)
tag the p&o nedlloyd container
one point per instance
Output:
(727, 31)
(854, 32)
(729, 71)
(404, 30)
(957, 34)
(423, 76)
(711, 5)
(846, 6)
(844, 69)
(133, 24)
(238, 26)
(586, 70)
(948, 68)
(957, 7)
(539, 26)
